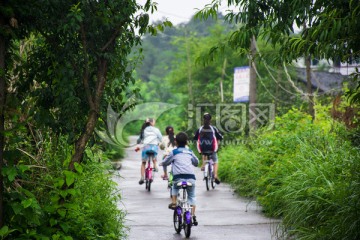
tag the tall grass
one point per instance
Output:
(305, 173)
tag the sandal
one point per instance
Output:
(172, 206)
(195, 222)
(217, 181)
(165, 178)
(202, 168)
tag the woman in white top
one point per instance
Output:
(150, 137)
(167, 144)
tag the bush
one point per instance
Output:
(46, 201)
(305, 173)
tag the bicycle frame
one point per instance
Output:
(182, 197)
(148, 169)
(209, 168)
(149, 177)
(182, 212)
(209, 171)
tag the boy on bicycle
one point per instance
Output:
(207, 137)
(183, 161)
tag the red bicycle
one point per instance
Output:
(149, 176)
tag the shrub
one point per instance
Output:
(305, 173)
(46, 201)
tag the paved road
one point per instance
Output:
(220, 213)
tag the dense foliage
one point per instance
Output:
(305, 173)
(188, 64)
(62, 63)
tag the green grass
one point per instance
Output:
(307, 174)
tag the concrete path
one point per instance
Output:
(220, 213)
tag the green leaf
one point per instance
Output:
(17, 207)
(78, 167)
(53, 222)
(27, 203)
(4, 231)
(72, 191)
(60, 182)
(55, 237)
(23, 168)
(69, 177)
(61, 212)
(65, 227)
(63, 193)
(10, 172)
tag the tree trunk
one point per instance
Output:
(2, 120)
(252, 114)
(93, 115)
(309, 86)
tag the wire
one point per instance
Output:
(261, 81)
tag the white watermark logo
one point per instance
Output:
(227, 117)
(232, 117)
(114, 134)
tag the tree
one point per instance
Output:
(81, 47)
(9, 30)
(332, 27)
(84, 46)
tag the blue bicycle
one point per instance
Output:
(182, 213)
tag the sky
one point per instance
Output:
(176, 11)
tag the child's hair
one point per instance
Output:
(170, 132)
(207, 118)
(147, 123)
(181, 139)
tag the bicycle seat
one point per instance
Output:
(208, 153)
(184, 184)
(150, 153)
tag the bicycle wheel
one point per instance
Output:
(187, 224)
(207, 183)
(208, 177)
(212, 180)
(177, 221)
(149, 184)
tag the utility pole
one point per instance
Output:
(189, 68)
(309, 86)
(310, 95)
(252, 108)
(223, 73)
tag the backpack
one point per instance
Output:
(207, 141)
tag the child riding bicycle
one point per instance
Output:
(183, 161)
(167, 144)
(150, 137)
(207, 137)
